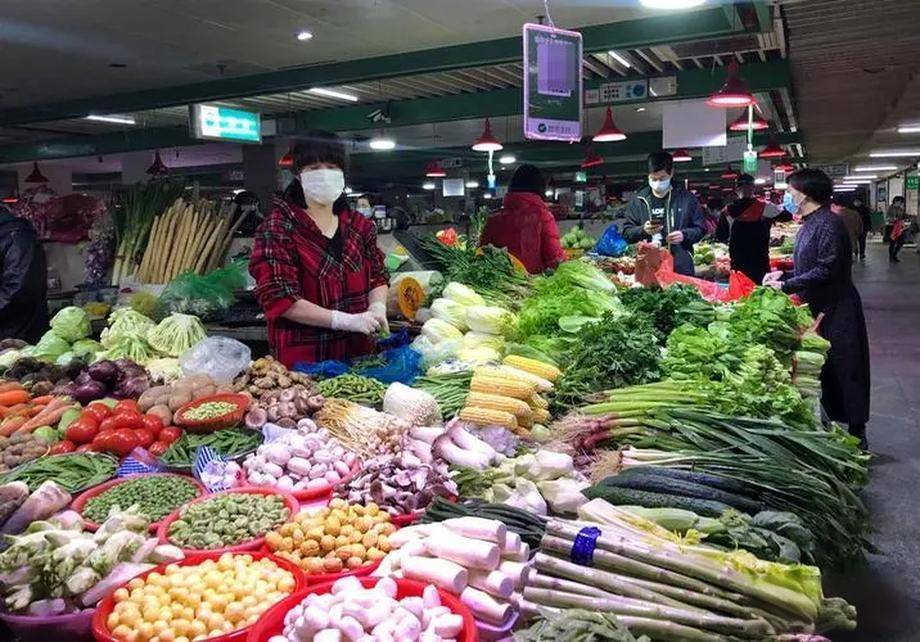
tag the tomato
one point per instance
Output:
(109, 423)
(126, 405)
(170, 434)
(128, 420)
(82, 431)
(152, 423)
(103, 440)
(144, 437)
(158, 448)
(65, 446)
(98, 409)
(123, 442)
(85, 448)
(90, 416)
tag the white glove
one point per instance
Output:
(378, 310)
(363, 323)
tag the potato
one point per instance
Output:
(178, 399)
(151, 397)
(163, 412)
(204, 391)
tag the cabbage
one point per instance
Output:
(436, 330)
(480, 355)
(9, 357)
(462, 294)
(71, 323)
(86, 349)
(490, 319)
(49, 347)
(125, 322)
(128, 346)
(176, 333)
(434, 354)
(483, 340)
(164, 370)
(65, 358)
(451, 311)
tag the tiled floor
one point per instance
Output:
(887, 590)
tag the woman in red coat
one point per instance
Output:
(319, 276)
(525, 226)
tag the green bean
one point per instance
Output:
(71, 471)
(156, 496)
(213, 523)
(230, 442)
(353, 387)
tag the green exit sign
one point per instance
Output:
(213, 122)
(913, 182)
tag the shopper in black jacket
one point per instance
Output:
(23, 281)
(665, 214)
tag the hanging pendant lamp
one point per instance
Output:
(487, 141)
(681, 156)
(729, 173)
(36, 176)
(287, 160)
(609, 132)
(592, 158)
(734, 93)
(772, 150)
(784, 166)
(740, 124)
(157, 167)
(434, 169)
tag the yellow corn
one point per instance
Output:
(503, 386)
(516, 407)
(541, 416)
(542, 385)
(538, 403)
(488, 417)
(545, 370)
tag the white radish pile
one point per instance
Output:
(478, 559)
(353, 613)
(307, 458)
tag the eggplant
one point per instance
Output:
(89, 391)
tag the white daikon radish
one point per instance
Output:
(515, 570)
(492, 582)
(430, 597)
(328, 635)
(484, 606)
(440, 572)
(468, 441)
(522, 554)
(512, 543)
(445, 448)
(448, 625)
(489, 530)
(470, 553)
(404, 535)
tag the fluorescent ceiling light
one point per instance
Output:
(507, 159)
(332, 93)
(487, 195)
(858, 178)
(429, 185)
(640, 109)
(896, 153)
(620, 59)
(472, 184)
(845, 188)
(549, 193)
(760, 181)
(671, 4)
(304, 35)
(382, 144)
(909, 129)
(118, 120)
(875, 168)
(347, 190)
(856, 181)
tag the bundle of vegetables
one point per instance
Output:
(664, 308)
(473, 557)
(552, 625)
(39, 377)
(669, 591)
(528, 526)
(577, 239)
(175, 334)
(121, 378)
(399, 484)
(266, 375)
(808, 361)
(126, 337)
(335, 538)
(769, 317)
(99, 253)
(164, 371)
(165, 400)
(72, 472)
(229, 443)
(284, 406)
(449, 390)
(71, 324)
(413, 406)
(353, 387)
(133, 216)
(704, 254)
(360, 429)
(693, 352)
(829, 508)
(370, 613)
(508, 397)
(57, 567)
(303, 459)
(611, 353)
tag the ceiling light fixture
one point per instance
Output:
(382, 143)
(592, 158)
(772, 150)
(620, 59)
(118, 120)
(472, 184)
(671, 5)
(734, 93)
(741, 124)
(909, 129)
(434, 169)
(609, 132)
(332, 93)
(487, 141)
(845, 188)
(304, 35)
(904, 153)
(859, 178)
(549, 193)
(157, 167)
(507, 159)
(429, 185)
(729, 173)
(681, 156)
(287, 160)
(36, 176)
(760, 181)
(856, 181)
(784, 166)
(875, 168)
(487, 196)
(639, 110)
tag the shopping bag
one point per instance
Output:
(739, 286)
(611, 243)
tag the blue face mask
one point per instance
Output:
(789, 203)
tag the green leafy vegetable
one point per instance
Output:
(661, 307)
(176, 333)
(71, 323)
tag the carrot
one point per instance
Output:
(34, 410)
(44, 400)
(13, 397)
(6, 386)
(50, 415)
(18, 409)
(11, 425)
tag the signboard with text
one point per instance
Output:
(617, 92)
(213, 122)
(552, 83)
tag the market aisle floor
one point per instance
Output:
(887, 591)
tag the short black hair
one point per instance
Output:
(813, 183)
(898, 199)
(658, 161)
(319, 146)
(745, 180)
(528, 178)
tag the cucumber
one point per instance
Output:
(707, 479)
(631, 497)
(659, 484)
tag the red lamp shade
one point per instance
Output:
(157, 167)
(741, 123)
(9, 200)
(729, 174)
(487, 141)
(784, 166)
(681, 156)
(592, 159)
(609, 132)
(734, 93)
(286, 161)
(435, 170)
(36, 176)
(772, 150)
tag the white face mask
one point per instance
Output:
(322, 185)
(661, 186)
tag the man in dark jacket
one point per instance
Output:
(23, 281)
(866, 217)
(666, 214)
(745, 226)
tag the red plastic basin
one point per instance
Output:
(73, 627)
(226, 420)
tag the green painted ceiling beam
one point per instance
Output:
(99, 145)
(641, 32)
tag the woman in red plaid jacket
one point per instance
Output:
(320, 277)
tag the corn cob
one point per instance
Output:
(503, 386)
(538, 403)
(542, 385)
(516, 407)
(488, 417)
(541, 416)
(538, 368)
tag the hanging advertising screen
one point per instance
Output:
(552, 83)
(212, 122)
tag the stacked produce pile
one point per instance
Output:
(577, 239)
(711, 260)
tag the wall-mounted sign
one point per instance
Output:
(617, 92)
(835, 171)
(912, 182)
(552, 83)
(731, 152)
(581, 177)
(212, 122)
(451, 163)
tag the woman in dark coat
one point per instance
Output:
(823, 259)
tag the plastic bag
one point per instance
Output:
(739, 286)
(432, 354)
(611, 243)
(321, 369)
(220, 357)
(403, 365)
(206, 296)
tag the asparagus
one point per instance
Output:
(659, 630)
